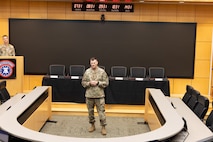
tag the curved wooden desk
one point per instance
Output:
(8, 122)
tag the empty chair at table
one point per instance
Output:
(156, 72)
(187, 94)
(57, 69)
(76, 70)
(4, 94)
(209, 121)
(202, 106)
(138, 72)
(118, 71)
(193, 100)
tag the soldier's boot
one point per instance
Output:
(103, 130)
(92, 128)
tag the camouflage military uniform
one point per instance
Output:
(7, 50)
(95, 94)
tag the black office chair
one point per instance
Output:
(77, 70)
(57, 69)
(118, 71)
(209, 121)
(156, 72)
(4, 94)
(138, 72)
(187, 94)
(193, 101)
(202, 107)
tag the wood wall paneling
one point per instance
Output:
(204, 32)
(204, 14)
(200, 69)
(149, 12)
(185, 13)
(203, 51)
(56, 10)
(38, 10)
(180, 85)
(19, 9)
(4, 29)
(201, 84)
(167, 13)
(4, 9)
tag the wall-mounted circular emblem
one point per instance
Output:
(6, 68)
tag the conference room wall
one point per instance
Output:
(202, 14)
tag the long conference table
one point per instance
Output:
(15, 118)
(129, 91)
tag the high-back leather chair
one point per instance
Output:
(76, 70)
(118, 71)
(156, 72)
(202, 107)
(139, 72)
(57, 69)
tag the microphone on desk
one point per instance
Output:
(185, 128)
(173, 105)
(22, 96)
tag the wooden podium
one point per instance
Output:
(14, 85)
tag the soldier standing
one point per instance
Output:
(6, 49)
(95, 79)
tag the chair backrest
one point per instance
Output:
(138, 72)
(4, 94)
(118, 71)
(77, 70)
(193, 101)
(209, 121)
(202, 106)
(57, 69)
(187, 94)
(156, 72)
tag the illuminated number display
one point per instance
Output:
(102, 7)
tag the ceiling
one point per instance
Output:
(198, 2)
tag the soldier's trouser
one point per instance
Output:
(100, 106)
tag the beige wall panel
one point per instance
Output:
(113, 16)
(4, 9)
(38, 10)
(180, 85)
(35, 80)
(185, 13)
(202, 85)
(203, 50)
(202, 69)
(204, 32)
(149, 12)
(131, 16)
(3, 28)
(171, 85)
(26, 82)
(167, 13)
(94, 15)
(73, 15)
(19, 9)
(56, 10)
(204, 14)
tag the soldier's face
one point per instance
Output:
(5, 40)
(93, 64)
